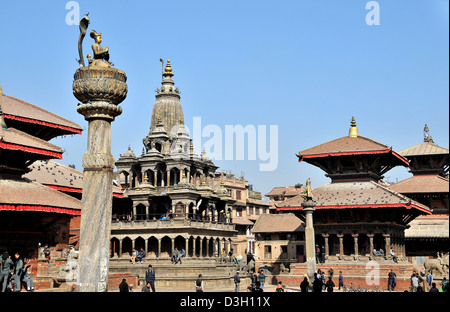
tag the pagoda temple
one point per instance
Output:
(31, 214)
(429, 185)
(355, 213)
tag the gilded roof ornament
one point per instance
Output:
(353, 132)
(168, 69)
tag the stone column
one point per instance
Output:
(370, 243)
(327, 247)
(341, 244)
(308, 208)
(100, 90)
(387, 238)
(133, 217)
(159, 248)
(355, 239)
(194, 249)
(186, 247)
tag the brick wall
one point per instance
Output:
(358, 275)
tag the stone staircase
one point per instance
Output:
(179, 276)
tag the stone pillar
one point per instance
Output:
(341, 244)
(387, 238)
(159, 248)
(194, 249)
(186, 247)
(155, 179)
(100, 90)
(133, 217)
(370, 243)
(355, 239)
(308, 208)
(327, 247)
(168, 177)
(120, 248)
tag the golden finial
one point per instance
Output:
(168, 69)
(1, 91)
(353, 133)
(191, 147)
(145, 177)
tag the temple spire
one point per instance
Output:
(353, 132)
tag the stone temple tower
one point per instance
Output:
(167, 107)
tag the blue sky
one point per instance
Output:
(306, 66)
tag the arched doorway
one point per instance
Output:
(166, 247)
(152, 247)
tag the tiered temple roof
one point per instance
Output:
(31, 212)
(355, 212)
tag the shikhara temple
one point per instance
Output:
(31, 214)
(174, 198)
(356, 212)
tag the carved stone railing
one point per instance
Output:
(175, 223)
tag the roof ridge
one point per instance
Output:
(46, 111)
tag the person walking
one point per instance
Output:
(26, 277)
(329, 285)
(237, 282)
(429, 279)
(341, 281)
(199, 284)
(304, 284)
(5, 270)
(123, 287)
(317, 284)
(150, 277)
(261, 278)
(254, 278)
(391, 280)
(317, 254)
(18, 271)
(414, 283)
